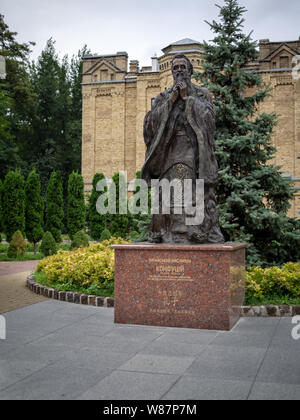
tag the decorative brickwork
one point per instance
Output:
(116, 101)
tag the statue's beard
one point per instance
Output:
(182, 77)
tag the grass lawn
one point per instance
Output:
(29, 254)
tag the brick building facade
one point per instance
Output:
(116, 100)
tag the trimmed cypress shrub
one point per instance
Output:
(55, 206)
(80, 239)
(48, 245)
(34, 208)
(13, 204)
(119, 223)
(96, 221)
(76, 204)
(1, 215)
(105, 235)
(17, 246)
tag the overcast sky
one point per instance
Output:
(139, 27)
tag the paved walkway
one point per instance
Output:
(58, 350)
(13, 291)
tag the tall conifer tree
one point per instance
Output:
(119, 223)
(34, 209)
(76, 204)
(253, 197)
(13, 204)
(16, 100)
(96, 221)
(1, 214)
(55, 206)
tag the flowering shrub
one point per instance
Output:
(283, 281)
(93, 265)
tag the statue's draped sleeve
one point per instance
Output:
(159, 126)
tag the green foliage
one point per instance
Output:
(96, 221)
(105, 235)
(13, 204)
(80, 239)
(17, 245)
(142, 233)
(56, 139)
(40, 109)
(76, 204)
(252, 195)
(55, 206)
(89, 266)
(48, 246)
(34, 209)
(1, 214)
(280, 282)
(16, 100)
(119, 223)
(93, 289)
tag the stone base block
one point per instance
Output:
(185, 286)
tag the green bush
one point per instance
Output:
(96, 222)
(13, 204)
(34, 209)
(89, 266)
(1, 215)
(280, 282)
(76, 204)
(134, 235)
(17, 246)
(105, 235)
(55, 206)
(48, 246)
(80, 239)
(119, 223)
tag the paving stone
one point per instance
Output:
(54, 382)
(158, 364)
(230, 363)
(281, 366)
(275, 392)
(195, 388)
(120, 385)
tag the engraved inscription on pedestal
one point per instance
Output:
(169, 269)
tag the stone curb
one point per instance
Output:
(281, 311)
(73, 297)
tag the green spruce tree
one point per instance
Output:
(55, 206)
(34, 209)
(96, 222)
(253, 197)
(76, 204)
(13, 204)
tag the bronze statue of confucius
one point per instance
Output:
(179, 135)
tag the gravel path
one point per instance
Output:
(13, 291)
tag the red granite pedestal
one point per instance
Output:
(187, 286)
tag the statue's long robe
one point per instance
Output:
(160, 126)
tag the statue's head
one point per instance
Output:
(182, 68)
